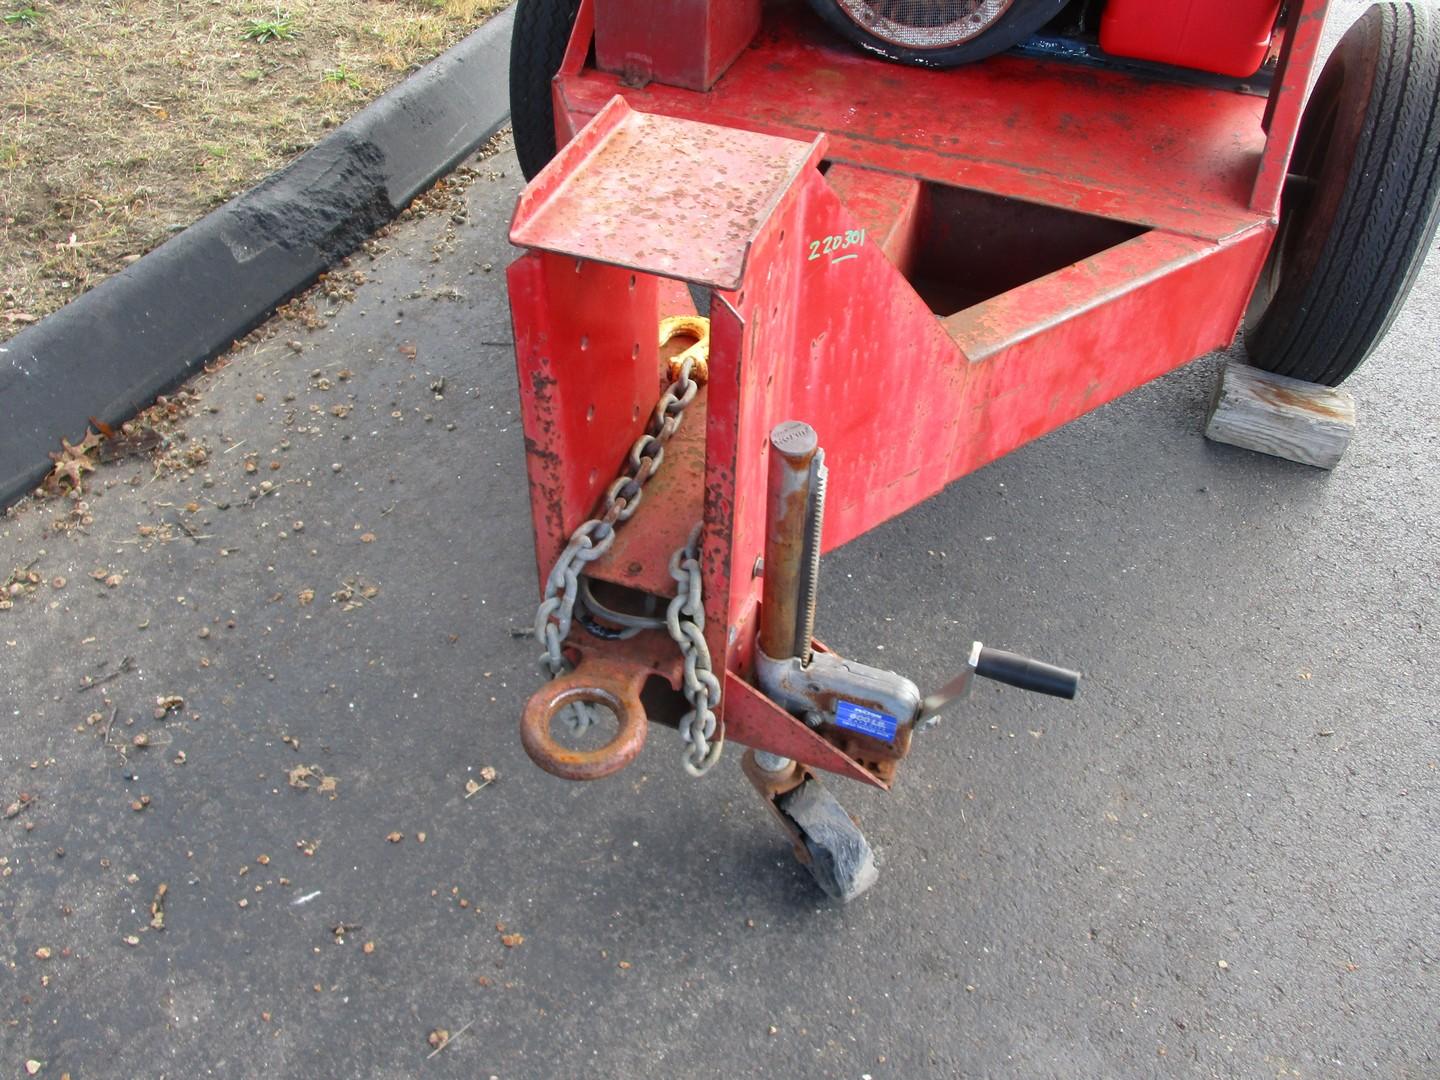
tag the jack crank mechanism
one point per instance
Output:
(870, 712)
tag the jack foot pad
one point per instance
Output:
(841, 860)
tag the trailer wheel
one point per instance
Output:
(937, 33)
(1361, 208)
(537, 48)
(841, 861)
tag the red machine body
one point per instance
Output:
(930, 267)
(1229, 39)
(685, 43)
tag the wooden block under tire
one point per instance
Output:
(1280, 416)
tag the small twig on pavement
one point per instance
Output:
(189, 531)
(127, 665)
(448, 1041)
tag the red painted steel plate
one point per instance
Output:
(678, 199)
(1175, 157)
(753, 720)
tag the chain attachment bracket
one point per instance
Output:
(685, 619)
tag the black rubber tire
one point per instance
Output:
(537, 48)
(1356, 227)
(841, 861)
(1023, 19)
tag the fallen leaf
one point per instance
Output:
(307, 596)
(511, 941)
(73, 462)
(299, 777)
(157, 907)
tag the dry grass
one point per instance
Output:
(122, 121)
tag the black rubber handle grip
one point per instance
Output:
(1020, 671)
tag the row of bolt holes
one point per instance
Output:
(635, 355)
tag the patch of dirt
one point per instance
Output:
(159, 434)
(122, 121)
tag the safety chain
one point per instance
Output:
(596, 536)
(685, 621)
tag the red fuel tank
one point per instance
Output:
(1227, 38)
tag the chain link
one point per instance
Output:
(685, 620)
(596, 536)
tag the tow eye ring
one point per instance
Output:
(600, 682)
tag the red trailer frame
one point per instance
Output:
(932, 268)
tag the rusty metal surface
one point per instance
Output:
(674, 501)
(771, 787)
(935, 24)
(823, 701)
(589, 377)
(752, 719)
(614, 673)
(1166, 155)
(614, 684)
(682, 200)
(792, 449)
(685, 43)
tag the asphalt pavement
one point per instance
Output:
(1219, 862)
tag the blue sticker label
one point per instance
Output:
(866, 721)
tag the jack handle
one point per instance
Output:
(1001, 666)
(1012, 669)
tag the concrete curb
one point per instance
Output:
(110, 352)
